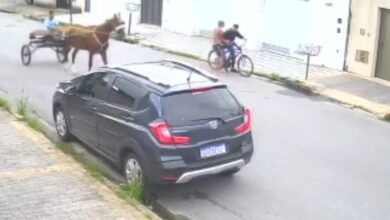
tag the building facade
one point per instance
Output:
(277, 25)
(369, 38)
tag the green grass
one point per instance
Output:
(134, 190)
(5, 105)
(22, 107)
(275, 77)
(387, 117)
(34, 123)
(94, 169)
(178, 53)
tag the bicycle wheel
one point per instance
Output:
(245, 66)
(214, 60)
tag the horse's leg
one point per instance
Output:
(104, 56)
(74, 54)
(90, 60)
(66, 51)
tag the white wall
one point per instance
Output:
(104, 9)
(178, 16)
(284, 23)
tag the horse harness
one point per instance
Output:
(102, 45)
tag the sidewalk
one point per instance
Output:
(30, 11)
(370, 94)
(37, 181)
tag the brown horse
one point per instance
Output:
(94, 39)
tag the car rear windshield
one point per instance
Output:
(194, 107)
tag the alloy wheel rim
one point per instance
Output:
(61, 123)
(133, 170)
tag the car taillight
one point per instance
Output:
(160, 130)
(247, 122)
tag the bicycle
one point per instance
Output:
(244, 63)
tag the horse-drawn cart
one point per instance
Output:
(44, 39)
(52, 39)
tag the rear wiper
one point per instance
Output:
(210, 119)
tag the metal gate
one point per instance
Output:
(62, 4)
(151, 12)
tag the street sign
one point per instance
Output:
(308, 50)
(132, 6)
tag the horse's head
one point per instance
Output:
(115, 22)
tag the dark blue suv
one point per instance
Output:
(165, 122)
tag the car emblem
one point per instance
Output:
(213, 124)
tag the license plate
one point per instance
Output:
(212, 151)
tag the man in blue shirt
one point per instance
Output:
(51, 23)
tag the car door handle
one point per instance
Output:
(127, 118)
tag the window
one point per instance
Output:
(125, 93)
(183, 108)
(96, 85)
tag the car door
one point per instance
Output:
(117, 118)
(92, 91)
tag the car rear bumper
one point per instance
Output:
(187, 176)
(178, 171)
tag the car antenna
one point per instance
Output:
(189, 76)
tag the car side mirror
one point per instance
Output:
(71, 90)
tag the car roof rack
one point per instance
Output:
(191, 68)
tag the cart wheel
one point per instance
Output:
(26, 55)
(60, 56)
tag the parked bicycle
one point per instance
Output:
(244, 63)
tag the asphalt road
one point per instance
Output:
(313, 159)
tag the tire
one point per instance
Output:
(139, 172)
(245, 66)
(212, 60)
(25, 55)
(60, 55)
(62, 125)
(148, 187)
(230, 172)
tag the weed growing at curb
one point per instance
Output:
(94, 169)
(178, 53)
(5, 104)
(275, 77)
(22, 107)
(34, 123)
(387, 117)
(134, 190)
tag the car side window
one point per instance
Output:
(126, 93)
(96, 85)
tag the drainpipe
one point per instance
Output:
(348, 33)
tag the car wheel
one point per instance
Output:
(62, 125)
(132, 168)
(229, 172)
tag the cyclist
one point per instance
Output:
(218, 41)
(229, 37)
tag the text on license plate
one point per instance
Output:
(213, 150)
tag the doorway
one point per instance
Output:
(151, 12)
(382, 62)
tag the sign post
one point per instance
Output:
(131, 7)
(309, 51)
(71, 11)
